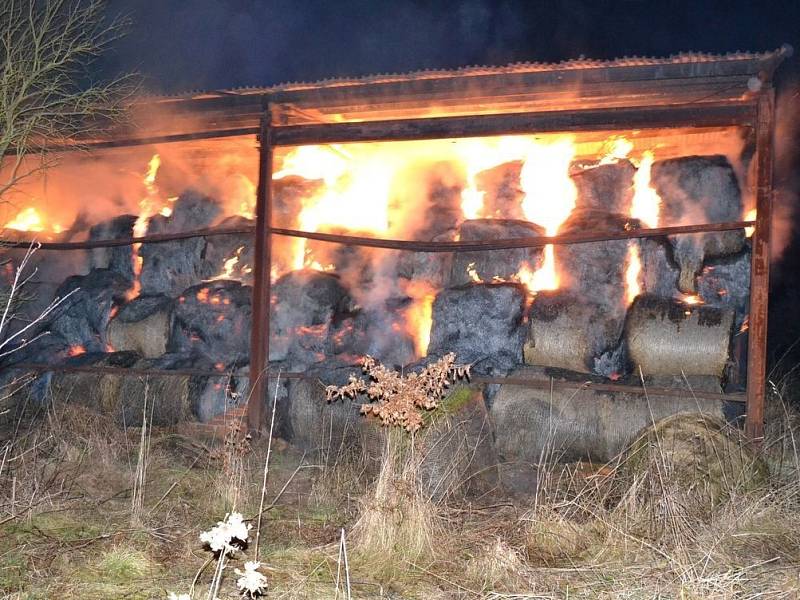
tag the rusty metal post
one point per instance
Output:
(259, 337)
(759, 279)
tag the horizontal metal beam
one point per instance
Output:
(407, 245)
(693, 115)
(516, 381)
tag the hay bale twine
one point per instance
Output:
(698, 189)
(688, 462)
(573, 333)
(142, 325)
(502, 264)
(535, 425)
(664, 336)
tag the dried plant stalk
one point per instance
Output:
(398, 399)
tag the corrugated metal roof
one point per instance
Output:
(478, 70)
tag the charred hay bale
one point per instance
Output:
(536, 426)
(120, 258)
(304, 306)
(725, 283)
(596, 269)
(482, 323)
(432, 268)
(213, 320)
(574, 333)
(171, 267)
(606, 187)
(353, 264)
(379, 333)
(659, 273)
(698, 189)
(143, 325)
(503, 264)
(502, 194)
(232, 254)
(664, 336)
(83, 318)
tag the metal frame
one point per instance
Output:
(757, 113)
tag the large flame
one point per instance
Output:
(419, 315)
(645, 206)
(148, 206)
(30, 219)
(550, 196)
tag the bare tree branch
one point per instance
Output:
(47, 94)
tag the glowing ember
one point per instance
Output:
(750, 216)
(76, 350)
(550, 196)
(691, 299)
(634, 269)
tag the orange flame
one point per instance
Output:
(646, 206)
(76, 350)
(419, 315)
(550, 196)
(147, 208)
(634, 269)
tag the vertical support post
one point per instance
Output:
(759, 278)
(259, 337)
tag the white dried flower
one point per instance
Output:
(220, 537)
(174, 596)
(251, 581)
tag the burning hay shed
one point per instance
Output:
(542, 218)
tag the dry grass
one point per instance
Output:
(690, 511)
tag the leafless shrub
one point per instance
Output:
(397, 398)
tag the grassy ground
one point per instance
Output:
(647, 526)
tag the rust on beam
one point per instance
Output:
(687, 115)
(759, 279)
(259, 337)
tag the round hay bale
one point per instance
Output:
(680, 469)
(142, 325)
(667, 337)
(566, 332)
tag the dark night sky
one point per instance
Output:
(180, 45)
(204, 44)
